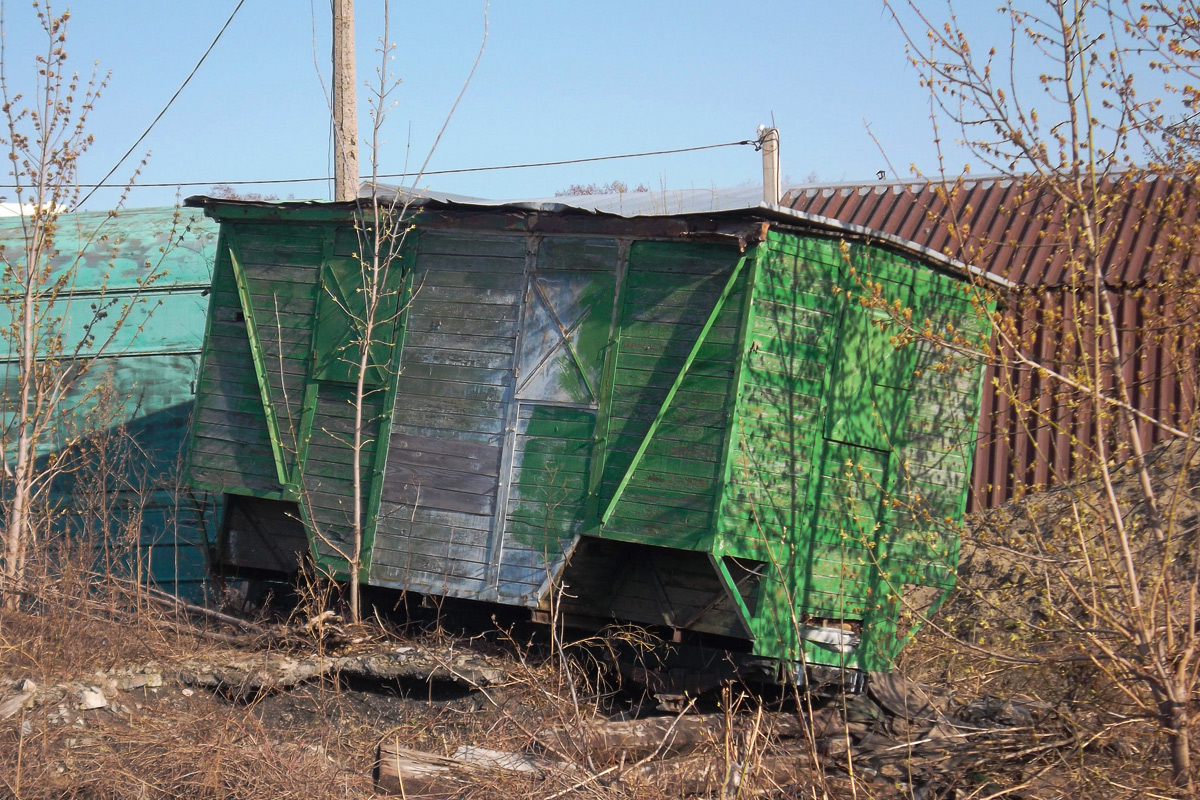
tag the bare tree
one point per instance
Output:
(374, 309)
(1118, 568)
(612, 187)
(54, 345)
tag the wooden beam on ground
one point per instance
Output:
(417, 774)
(672, 736)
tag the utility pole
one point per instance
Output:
(345, 107)
(768, 140)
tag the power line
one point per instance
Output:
(570, 161)
(145, 133)
(167, 184)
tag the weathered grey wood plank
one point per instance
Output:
(417, 536)
(457, 341)
(433, 308)
(456, 294)
(457, 358)
(577, 253)
(469, 407)
(486, 453)
(455, 374)
(461, 422)
(489, 274)
(456, 243)
(417, 461)
(446, 434)
(459, 326)
(452, 389)
(440, 572)
(415, 580)
(426, 476)
(437, 498)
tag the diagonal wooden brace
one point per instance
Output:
(666, 403)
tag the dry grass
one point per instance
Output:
(317, 741)
(320, 740)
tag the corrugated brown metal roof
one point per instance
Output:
(1014, 228)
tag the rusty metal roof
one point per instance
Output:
(1014, 228)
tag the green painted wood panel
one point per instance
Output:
(341, 321)
(838, 435)
(673, 289)
(546, 507)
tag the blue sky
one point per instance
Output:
(557, 80)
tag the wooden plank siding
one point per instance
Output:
(670, 291)
(725, 434)
(438, 503)
(327, 498)
(230, 449)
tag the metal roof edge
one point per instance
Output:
(899, 242)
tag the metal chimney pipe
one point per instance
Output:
(769, 142)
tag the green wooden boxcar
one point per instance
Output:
(714, 423)
(146, 340)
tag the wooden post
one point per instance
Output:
(345, 107)
(770, 153)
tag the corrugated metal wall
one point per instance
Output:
(1032, 433)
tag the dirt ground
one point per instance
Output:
(111, 693)
(149, 706)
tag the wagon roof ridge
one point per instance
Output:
(663, 204)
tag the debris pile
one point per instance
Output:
(903, 739)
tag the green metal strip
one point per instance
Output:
(608, 378)
(406, 258)
(666, 404)
(258, 357)
(308, 410)
(307, 422)
(308, 415)
(733, 402)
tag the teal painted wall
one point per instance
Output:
(138, 394)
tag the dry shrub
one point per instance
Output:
(1002, 633)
